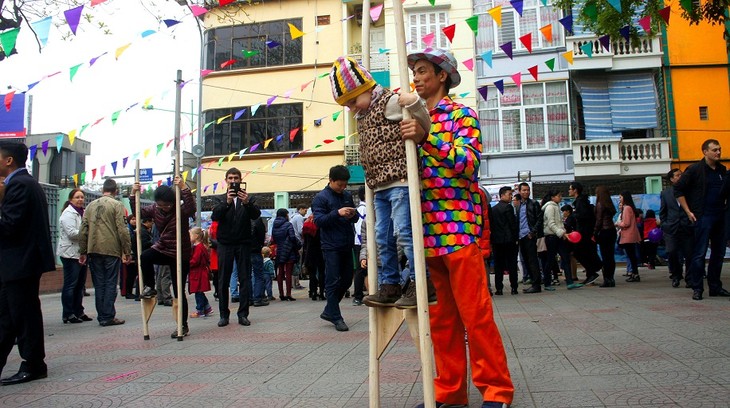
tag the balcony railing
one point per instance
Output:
(617, 157)
(621, 54)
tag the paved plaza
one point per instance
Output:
(638, 345)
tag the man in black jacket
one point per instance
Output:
(25, 253)
(702, 192)
(676, 228)
(530, 222)
(585, 250)
(234, 218)
(504, 230)
(334, 214)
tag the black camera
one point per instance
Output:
(236, 187)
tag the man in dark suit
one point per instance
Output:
(25, 253)
(504, 225)
(676, 228)
(234, 218)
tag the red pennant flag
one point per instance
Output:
(526, 40)
(9, 100)
(517, 78)
(225, 2)
(645, 23)
(533, 71)
(93, 174)
(328, 141)
(228, 63)
(293, 134)
(449, 32)
(664, 13)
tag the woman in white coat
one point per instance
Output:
(74, 274)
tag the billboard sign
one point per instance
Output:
(12, 116)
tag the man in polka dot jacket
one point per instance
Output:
(452, 218)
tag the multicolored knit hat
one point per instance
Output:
(349, 79)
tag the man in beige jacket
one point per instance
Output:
(105, 244)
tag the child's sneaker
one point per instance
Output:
(208, 312)
(195, 315)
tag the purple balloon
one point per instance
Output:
(655, 235)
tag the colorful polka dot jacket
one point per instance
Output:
(450, 156)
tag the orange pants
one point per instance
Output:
(463, 305)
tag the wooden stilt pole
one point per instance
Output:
(178, 213)
(147, 305)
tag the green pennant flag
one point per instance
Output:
(159, 148)
(7, 40)
(317, 146)
(83, 128)
(82, 179)
(473, 22)
(587, 49)
(220, 161)
(336, 115)
(432, 2)
(686, 4)
(249, 54)
(323, 75)
(74, 70)
(591, 11)
(115, 116)
(550, 64)
(340, 137)
(207, 125)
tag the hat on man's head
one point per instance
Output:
(349, 79)
(444, 59)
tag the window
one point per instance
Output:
(534, 17)
(703, 113)
(269, 122)
(422, 24)
(227, 43)
(531, 118)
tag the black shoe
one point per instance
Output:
(129, 296)
(675, 283)
(185, 332)
(112, 322)
(291, 299)
(687, 285)
(259, 303)
(321, 297)
(243, 321)
(608, 283)
(85, 318)
(23, 377)
(223, 322)
(532, 289)
(356, 302)
(514, 291)
(347, 294)
(633, 278)
(498, 292)
(721, 293)
(72, 319)
(697, 295)
(283, 298)
(590, 279)
(148, 293)
(167, 303)
(341, 326)
(235, 300)
(326, 317)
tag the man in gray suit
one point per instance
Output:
(676, 228)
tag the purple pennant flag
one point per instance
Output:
(215, 187)
(200, 168)
(205, 189)
(124, 162)
(270, 100)
(500, 86)
(239, 113)
(32, 151)
(517, 4)
(93, 60)
(272, 44)
(625, 31)
(567, 22)
(507, 48)
(114, 167)
(483, 91)
(254, 147)
(73, 17)
(170, 22)
(44, 147)
(131, 106)
(604, 40)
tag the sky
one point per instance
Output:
(146, 70)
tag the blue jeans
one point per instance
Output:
(338, 278)
(234, 281)
(257, 268)
(393, 229)
(105, 274)
(72, 294)
(201, 302)
(268, 280)
(709, 231)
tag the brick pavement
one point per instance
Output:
(638, 345)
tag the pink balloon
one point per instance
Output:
(574, 237)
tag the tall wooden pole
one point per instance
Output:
(414, 191)
(147, 305)
(178, 212)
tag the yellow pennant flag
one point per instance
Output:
(230, 156)
(496, 14)
(146, 153)
(547, 32)
(568, 57)
(304, 129)
(295, 32)
(147, 102)
(218, 122)
(121, 50)
(76, 180)
(185, 176)
(72, 136)
(266, 142)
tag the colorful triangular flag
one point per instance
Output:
(517, 78)
(526, 40)
(469, 64)
(500, 86)
(605, 41)
(645, 23)
(533, 71)
(487, 57)
(547, 32)
(568, 55)
(518, 6)
(550, 64)
(587, 49)
(496, 14)
(484, 91)
(507, 48)
(473, 23)
(428, 39)
(664, 14)
(294, 32)
(73, 16)
(449, 32)
(567, 22)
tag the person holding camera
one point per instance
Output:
(234, 218)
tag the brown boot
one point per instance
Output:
(386, 296)
(408, 301)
